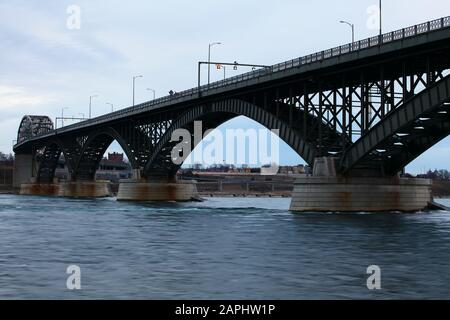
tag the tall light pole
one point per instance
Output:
(154, 92)
(62, 115)
(112, 106)
(90, 105)
(381, 26)
(353, 28)
(134, 84)
(209, 59)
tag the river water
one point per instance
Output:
(223, 248)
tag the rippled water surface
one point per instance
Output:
(223, 248)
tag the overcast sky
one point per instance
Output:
(45, 66)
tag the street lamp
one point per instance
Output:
(90, 105)
(112, 106)
(209, 59)
(62, 115)
(134, 84)
(381, 29)
(154, 92)
(81, 114)
(353, 28)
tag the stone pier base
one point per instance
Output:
(353, 194)
(82, 189)
(138, 190)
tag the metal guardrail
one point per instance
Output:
(397, 35)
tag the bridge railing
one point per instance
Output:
(290, 64)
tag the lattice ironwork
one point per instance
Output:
(33, 126)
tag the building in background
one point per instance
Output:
(113, 168)
(6, 170)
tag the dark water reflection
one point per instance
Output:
(220, 249)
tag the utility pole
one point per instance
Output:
(134, 84)
(90, 105)
(62, 115)
(353, 29)
(112, 106)
(154, 92)
(209, 59)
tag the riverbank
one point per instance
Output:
(441, 189)
(243, 195)
(8, 189)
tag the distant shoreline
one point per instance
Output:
(8, 192)
(242, 195)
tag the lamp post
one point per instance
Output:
(353, 28)
(62, 115)
(90, 105)
(224, 72)
(381, 26)
(112, 106)
(209, 59)
(154, 92)
(82, 115)
(134, 84)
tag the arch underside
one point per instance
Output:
(93, 149)
(160, 162)
(82, 155)
(407, 132)
(47, 157)
(48, 161)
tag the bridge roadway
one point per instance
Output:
(358, 111)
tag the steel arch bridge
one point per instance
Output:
(374, 105)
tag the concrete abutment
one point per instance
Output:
(157, 190)
(327, 192)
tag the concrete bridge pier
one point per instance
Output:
(157, 188)
(26, 181)
(70, 189)
(325, 191)
(23, 169)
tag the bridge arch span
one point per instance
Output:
(48, 158)
(213, 115)
(93, 147)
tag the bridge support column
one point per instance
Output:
(157, 190)
(70, 189)
(327, 192)
(23, 169)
